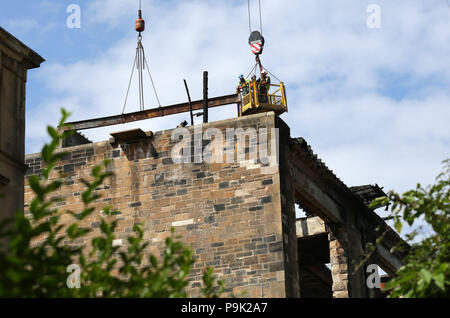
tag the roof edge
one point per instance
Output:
(30, 58)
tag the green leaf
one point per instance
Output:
(398, 225)
(440, 281)
(426, 275)
(52, 132)
(380, 201)
(35, 185)
(72, 230)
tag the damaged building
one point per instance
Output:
(238, 217)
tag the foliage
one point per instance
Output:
(39, 250)
(426, 272)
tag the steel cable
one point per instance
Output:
(260, 17)
(129, 84)
(151, 78)
(249, 21)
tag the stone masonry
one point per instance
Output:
(230, 214)
(237, 216)
(15, 61)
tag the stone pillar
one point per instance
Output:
(15, 60)
(339, 266)
(345, 255)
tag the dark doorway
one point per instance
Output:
(314, 274)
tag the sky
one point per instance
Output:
(370, 93)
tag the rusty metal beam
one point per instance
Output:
(150, 113)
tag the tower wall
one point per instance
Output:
(230, 214)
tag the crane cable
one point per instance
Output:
(272, 74)
(252, 71)
(151, 79)
(260, 17)
(140, 62)
(249, 19)
(129, 84)
(261, 31)
(249, 15)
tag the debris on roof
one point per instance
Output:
(367, 193)
(75, 139)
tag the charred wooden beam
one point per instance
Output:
(190, 103)
(150, 113)
(205, 97)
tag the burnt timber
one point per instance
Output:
(150, 113)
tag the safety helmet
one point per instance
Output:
(241, 76)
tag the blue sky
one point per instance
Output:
(373, 103)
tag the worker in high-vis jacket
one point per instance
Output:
(243, 86)
(256, 81)
(264, 87)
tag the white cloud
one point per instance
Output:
(323, 51)
(24, 26)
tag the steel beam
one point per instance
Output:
(150, 113)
